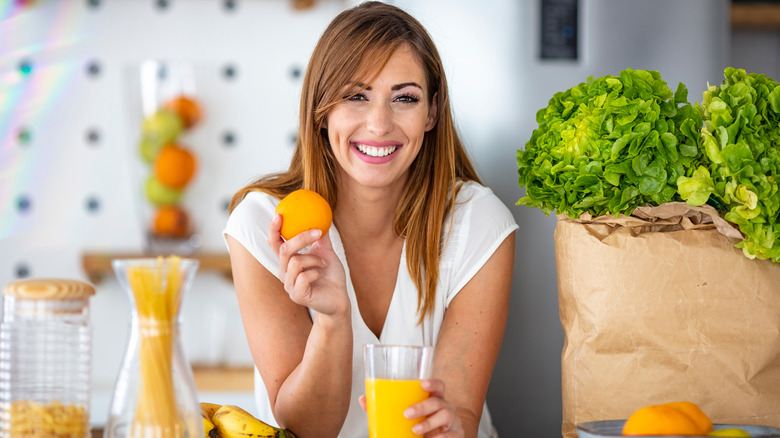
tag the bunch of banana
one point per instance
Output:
(207, 411)
(228, 421)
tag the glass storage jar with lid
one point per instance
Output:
(45, 359)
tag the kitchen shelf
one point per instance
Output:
(97, 265)
(758, 15)
(224, 378)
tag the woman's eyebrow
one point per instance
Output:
(406, 84)
(394, 87)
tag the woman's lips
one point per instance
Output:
(375, 152)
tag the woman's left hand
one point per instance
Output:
(442, 418)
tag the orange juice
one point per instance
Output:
(386, 401)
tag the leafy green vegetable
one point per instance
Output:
(740, 137)
(609, 145)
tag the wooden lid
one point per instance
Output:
(49, 289)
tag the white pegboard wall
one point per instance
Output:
(76, 107)
(70, 127)
(70, 123)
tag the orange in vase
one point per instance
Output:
(171, 221)
(188, 109)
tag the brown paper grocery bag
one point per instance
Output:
(661, 307)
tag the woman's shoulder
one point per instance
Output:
(256, 206)
(469, 189)
(477, 210)
(480, 221)
(473, 195)
(256, 200)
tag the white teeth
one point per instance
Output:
(375, 151)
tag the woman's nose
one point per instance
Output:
(380, 119)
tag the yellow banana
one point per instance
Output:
(207, 411)
(234, 422)
(209, 430)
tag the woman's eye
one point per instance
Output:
(355, 97)
(407, 98)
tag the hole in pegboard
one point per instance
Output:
(93, 136)
(22, 270)
(24, 136)
(293, 139)
(229, 72)
(226, 205)
(93, 68)
(229, 5)
(162, 72)
(93, 204)
(93, 4)
(295, 72)
(23, 204)
(162, 5)
(229, 139)
(25, 67)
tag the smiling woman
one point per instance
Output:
(377, 131)
(415, 237)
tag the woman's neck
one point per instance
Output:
(366, 213)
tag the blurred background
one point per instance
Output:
(72, 182)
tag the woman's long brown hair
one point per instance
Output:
(356, 45)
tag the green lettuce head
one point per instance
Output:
(609, 145)
(740, 137)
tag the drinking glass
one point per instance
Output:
(393, 384)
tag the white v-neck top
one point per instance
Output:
(481, 222)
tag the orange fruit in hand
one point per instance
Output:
(171, 221)
(304, 210)
(187, 108)
(678, 418)
(174, 166)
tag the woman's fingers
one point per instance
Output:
(301, 290)
(434, 386)
(290, 249)
(441, 419)
(302, 270)
(274, 233)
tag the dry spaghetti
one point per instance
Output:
(157, 292)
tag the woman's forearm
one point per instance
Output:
(470, 422)
(314, 400)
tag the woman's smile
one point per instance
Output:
(374, 152)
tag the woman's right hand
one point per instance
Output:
(314, 279)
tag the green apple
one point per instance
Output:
(158, 194)
(148, 149)
(162, 127)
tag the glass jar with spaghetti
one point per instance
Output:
(154, 394)
(45, 359)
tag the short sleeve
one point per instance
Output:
(480, 223)
(248, 224)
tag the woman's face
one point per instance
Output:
(376, 134)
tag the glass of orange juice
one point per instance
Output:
(393, 384)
